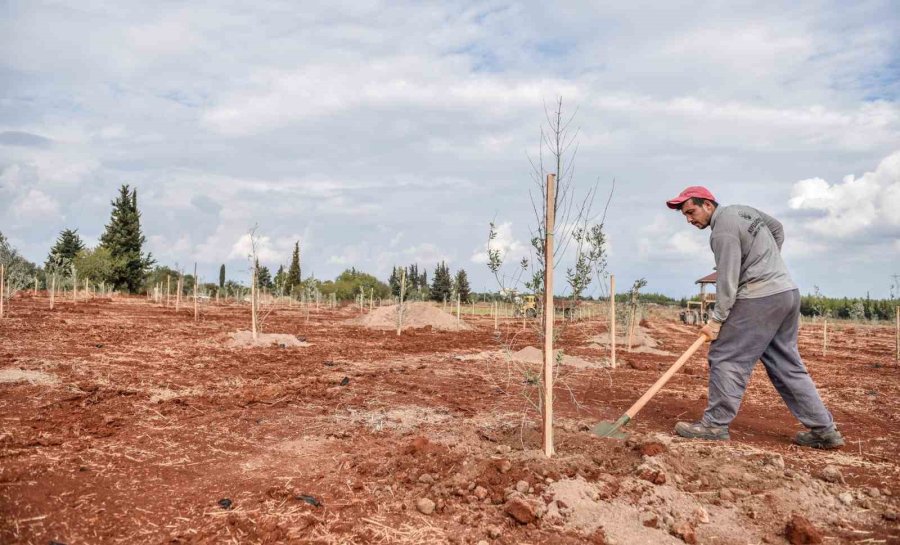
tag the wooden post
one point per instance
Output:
(196, 308)
(74, 284)
(35, 287)
(457, 310)
(631, 313)
(825, 337)
(897, 333)
(400, 306)
(547, 406)
(178, 286)
(612, 320)
(168, 288)
(52, 290)
(496, 316)
(253, 294)
(2, 288)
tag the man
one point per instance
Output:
(756, 317)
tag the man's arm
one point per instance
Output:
(727, 251)
(775, 228)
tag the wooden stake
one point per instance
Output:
(612, 320)
(547, 406)
(2, 288)
(400, 306)
(496, 314)
(253, 292)
(897, 329)
(825, 337)
(631, 317)
(178, 287)
(196, 308)
(168, 290)
(52, 290)
(35, 287)
(457, 310)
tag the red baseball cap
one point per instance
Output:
(690, 192)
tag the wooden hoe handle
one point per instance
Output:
(665, 378)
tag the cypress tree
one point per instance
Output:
(293, 274)
(124, 241)
(67, 246)
(442, 284)
(222, 276)
(461, 286)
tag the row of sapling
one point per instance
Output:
(566, 231)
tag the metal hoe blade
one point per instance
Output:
(612, 429)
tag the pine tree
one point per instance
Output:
(124, 241)
(67, 246)
(442, 284)
(293, 274)
(263, 276)
(279, 278)
(461, 286)
(394, 282)
(222, 276)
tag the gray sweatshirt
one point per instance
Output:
(747, 247)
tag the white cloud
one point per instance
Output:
(510, 248)
(267, 249)
(867, 205)
(35, 205)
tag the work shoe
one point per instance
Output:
(824, 440)
(697, 430)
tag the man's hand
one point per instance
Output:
(711, 330)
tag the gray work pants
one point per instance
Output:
(762, 329)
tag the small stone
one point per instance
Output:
(701, 515)
(426, 478)
(684, 531)
(726, 494)
(425, 506)
(504, 466)
(651, 521)
(520, 510)
(831, 474)
(480, 492)
(800, 531)
(846, 498)
(873, 492)
(790, 473)
(652, 448)
(522, 487)
(598, 537)
(890, 516)
(886, 492)
(775, 460)
(494, 532)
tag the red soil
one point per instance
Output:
(152, 420)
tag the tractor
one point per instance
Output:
(697, 312)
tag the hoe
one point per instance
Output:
(613, 429)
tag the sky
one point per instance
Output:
(388, 133)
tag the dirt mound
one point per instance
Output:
(244, 339)
(642, 341)
(530, 354)
(20, 375)
(415, 315)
